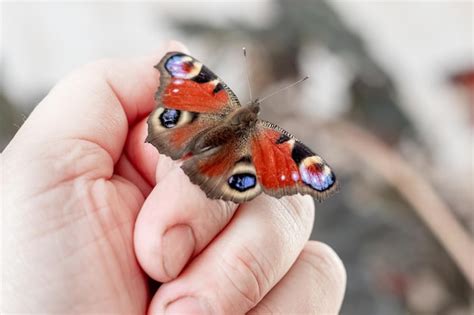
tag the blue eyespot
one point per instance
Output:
(169, 118)
(179, 66)
(320, 181)
(242, 182)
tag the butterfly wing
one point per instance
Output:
(285, 166)
(191, 100)
(264, 158)
(225, 172)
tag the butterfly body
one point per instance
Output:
(227, 151)
(239, 123)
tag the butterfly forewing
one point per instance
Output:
(285, 166)
(186, 84)
(190, 100)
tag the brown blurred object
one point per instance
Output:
(414, 188)
(465, 81)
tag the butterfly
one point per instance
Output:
(226, 150)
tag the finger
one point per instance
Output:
(144, 157)
(315, 284)
(244, 262)
(176, 222)
(96, 104)
(126, 169)
(139, 159)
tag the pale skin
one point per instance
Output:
(90, 213)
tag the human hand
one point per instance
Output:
(91, 211)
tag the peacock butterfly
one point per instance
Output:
(227, 151)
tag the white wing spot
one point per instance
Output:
(295, 176)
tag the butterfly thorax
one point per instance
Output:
(239, 124)
(246, 116)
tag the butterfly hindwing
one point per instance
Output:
(285, 166)
(265, 158)
(225, 172)
(190, 100)
(173, 131)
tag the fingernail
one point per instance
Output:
(178, 246)
(187, 305)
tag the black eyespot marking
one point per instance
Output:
(245, 159)
(169, 118)
(300, 152)
(283, 138)
(205, 75)
(242, 182)
(218, 88)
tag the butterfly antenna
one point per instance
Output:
(247, 73)
(283, 89)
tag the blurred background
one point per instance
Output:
(389, 104)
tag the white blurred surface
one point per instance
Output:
(43, 41)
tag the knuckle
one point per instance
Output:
(325, 263)
(249, 274)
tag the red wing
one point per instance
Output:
(190, 100)
(285, 166)
(187, 84)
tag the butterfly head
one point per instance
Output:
(255, 106)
